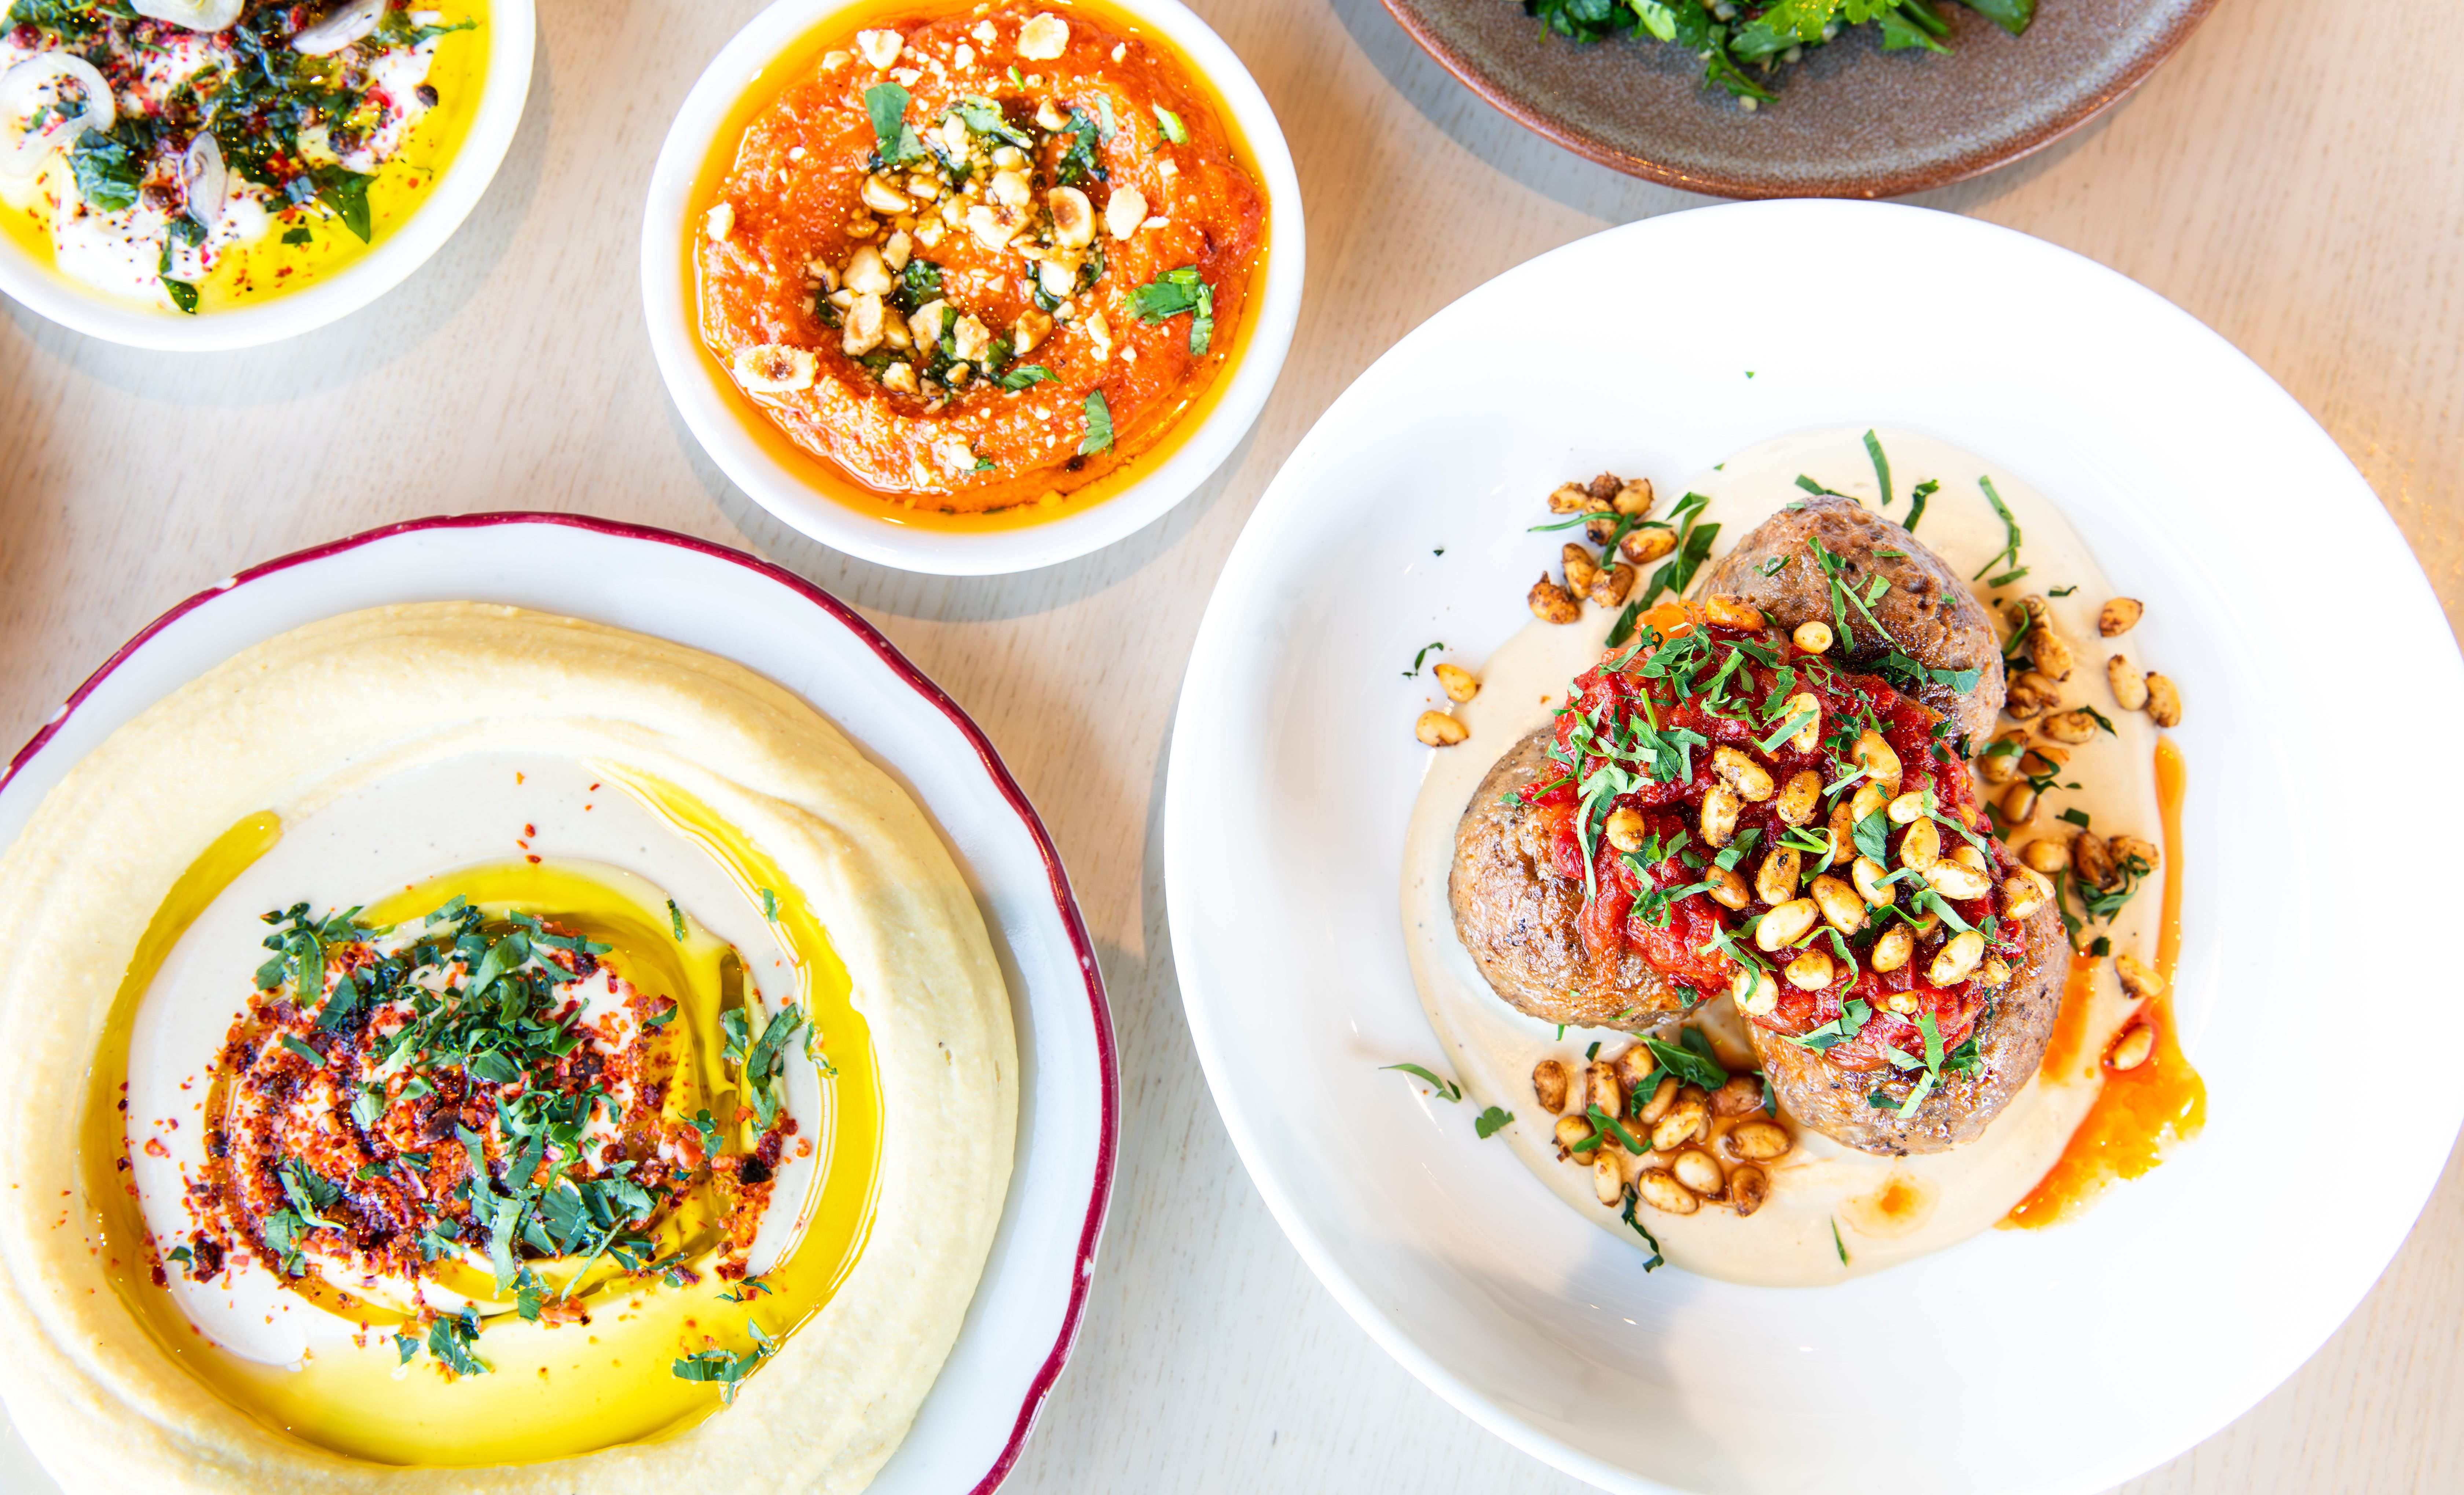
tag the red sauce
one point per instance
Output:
(1623, 695)
(915, 432)
(2140, 1111)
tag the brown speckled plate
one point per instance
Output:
(1851, 120)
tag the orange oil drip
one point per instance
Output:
(2139, 1111)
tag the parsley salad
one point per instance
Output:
(193, 155)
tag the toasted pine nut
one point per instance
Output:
(1625, 829)
(1867, 874)
(2127, 849)
(2129, 686)
(1458, 684)
(1548, 1085)
(1956, 880)
(1797, 801)
(1751, 780)
(1607, 1178)
(1727, 889)
(2164, 701)
(1633, 1066)
(1580, 567)
(2042, 758)
(1633, 498)
(1878, 758)
(1892, 951)
(1741, 1095)
(1840, 904)
(1571, 1133)
(1781, 926)
(1812, 971)
(1734, 613)
(1808, 737)
(1812, 635)
(1662, 1096)
(1552, 602)
(2046, 650)
(1601, 1089)
(1908, 809)
(2021, 897)
(2118, 616)
(1599, 527)
(1719, 820)
(1904, 1003)
(1437, 728)
(1758, 1141)
(1575, 498)
(1643, 546)
(2032, 694)
(1920, 846)
(883, 198)
(1656, 1188)
(1689, 1118)
(2138, 978)
(1870, 799)
(1994, 972)
(1967, 856)
(1610, 585)
(2000, 767)
(2047, 854)
(1700, 1172)
(1754, 991)
(2071, 726)
(1748, 1188)
(2093, 860)
(1957, 959)
(2132, 1048)
(2018, 804)
(1775, 880)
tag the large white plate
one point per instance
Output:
(2317, 670)
(1025, 1313)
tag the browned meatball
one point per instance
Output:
(1929, 612)
(1517, 918)
(2009, 1038)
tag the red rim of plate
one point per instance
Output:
(1066, 903)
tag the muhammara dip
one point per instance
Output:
(648, 1128)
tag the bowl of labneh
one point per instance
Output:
(971, 288)
(453, 1047)
(205, 174)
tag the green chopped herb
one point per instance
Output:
(1170, 124)
(1026, 374)
(1881, 466)
(1099, 425)
(1491, 1121)
(1916, 497)
(1172, 294)
(894, 139)
(675, 918)
(1447, 1090)
(1421, 657)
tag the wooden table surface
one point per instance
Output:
(2294, 178)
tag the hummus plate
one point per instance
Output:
(804, 1225)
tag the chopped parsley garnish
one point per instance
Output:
(1026, 374)
(1170, 295)
(1099, 425)
(1170, 124)
(1491, 1121)
(894, 139)
(726, 1369)
(675, 919)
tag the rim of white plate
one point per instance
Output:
(713, 409)
(1089, 1225)
(514, 27)
(1257, 585)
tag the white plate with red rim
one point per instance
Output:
(1020, 1328)
(715, 411)
(2057, 1360)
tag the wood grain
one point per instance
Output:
(2295, 182)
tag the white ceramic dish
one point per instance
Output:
(1025, 1313)
(714, 410)
(2057, 1360)
(513, 37)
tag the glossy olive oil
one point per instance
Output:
(550, 1390)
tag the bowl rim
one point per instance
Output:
(1749, 187)
(693, 380)
(1072, 921)
(513, 44)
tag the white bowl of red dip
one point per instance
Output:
(974, 287)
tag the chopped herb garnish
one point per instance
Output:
(1099, 425)
(1447, 1090)
(1491, 1121)
(1170, 124)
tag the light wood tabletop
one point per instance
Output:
(2294, 178)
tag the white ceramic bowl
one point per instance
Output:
(514, 28)
(1025, 1313)
(2312, 656)
(717, 412)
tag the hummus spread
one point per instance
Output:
(492, 1040)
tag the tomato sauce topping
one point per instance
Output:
(981, 257)
(1700, 752)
